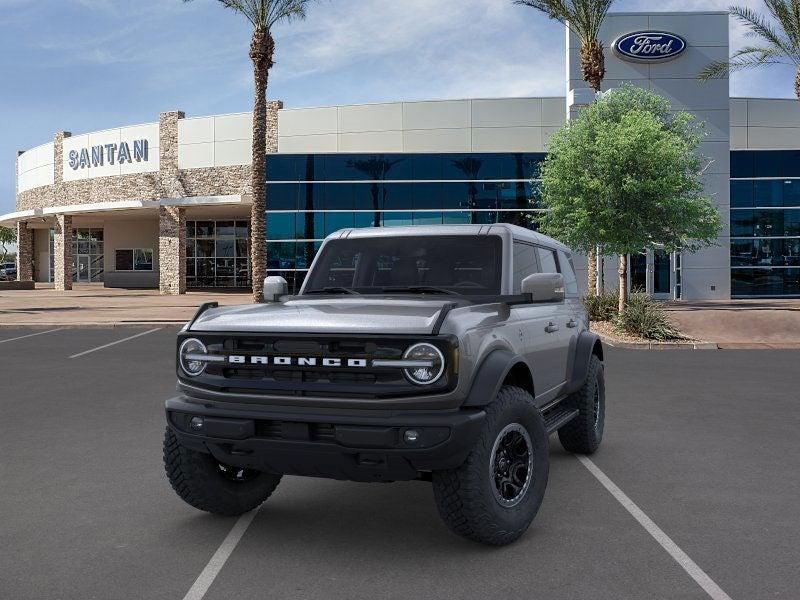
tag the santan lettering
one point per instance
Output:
(97, 156)
(645, 45)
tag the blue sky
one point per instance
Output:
(84, 65)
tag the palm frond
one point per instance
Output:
(759, 26)
(583, 17)
(784, 14)
(745, 58)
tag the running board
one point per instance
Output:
(557, 417)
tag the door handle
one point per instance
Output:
(551, 328)
(572, 323)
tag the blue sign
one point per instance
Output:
(649, 46)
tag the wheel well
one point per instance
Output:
(597, 350)
(520, 376)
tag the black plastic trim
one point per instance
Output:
(490, 376)
(588, 343)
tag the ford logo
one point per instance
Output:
(649, 46)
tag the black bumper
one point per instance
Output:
(357, 447)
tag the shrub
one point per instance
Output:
(602, 307)
(646, 318)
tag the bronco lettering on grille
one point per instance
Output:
(301, 361)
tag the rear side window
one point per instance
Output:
(568, 269)
(547, 260)
(524, 263)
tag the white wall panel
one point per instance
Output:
(196, 131)
(234, 152)
(370, 117)
(508, 112)
(233, 127)
(739, 138)
(717, 125)
(371, 141)
(35, 167)
(195, 156)
(299, 144)
(691, 94)
(437, 140)
(766, 138)
(698, 29)
(507, 139)
(446, 114)
(738, 112)
(308, 121)
(773, 113)
(554, 111)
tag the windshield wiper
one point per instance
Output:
(420, 289)
(333, 290)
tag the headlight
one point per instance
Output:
(188, 355)
(431, 364)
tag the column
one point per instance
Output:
(24, 252)
(62, 250)
(172, 250)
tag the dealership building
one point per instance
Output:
(167, 204)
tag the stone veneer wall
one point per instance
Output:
(62, 250)
(172, 250)
(24, 252)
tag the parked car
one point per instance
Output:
(445, 354)
(8, 271)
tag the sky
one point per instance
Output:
(86, 65)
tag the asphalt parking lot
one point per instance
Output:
(705, 443)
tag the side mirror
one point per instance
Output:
(544, 287)
(274, 288)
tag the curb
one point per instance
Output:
(658, 345)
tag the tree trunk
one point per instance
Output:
(623, 282)
(797, 84)
(593, 67)
(592, 271)
(262, 48)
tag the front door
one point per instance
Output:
(662, 272)
(83, 269)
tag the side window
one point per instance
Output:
(548, 260)
(524, 263)
(568, 269)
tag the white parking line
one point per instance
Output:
(214, 566)
(695, 572)
(115, 343)
(22, 337)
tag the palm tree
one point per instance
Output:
(780, 41)
(584, 19)
(263, 15)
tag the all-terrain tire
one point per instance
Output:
(467, 495)
(200, 481)
(584, 433)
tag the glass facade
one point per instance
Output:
(310, 196)
(765, 223)
(218, 254)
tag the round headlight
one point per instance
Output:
(190, 366)
(425, 353)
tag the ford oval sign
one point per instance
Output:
(649, 46)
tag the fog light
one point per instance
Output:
(196, 424)
(411, 436)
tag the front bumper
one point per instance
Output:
(332, 444)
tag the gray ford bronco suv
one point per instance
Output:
(445, 354)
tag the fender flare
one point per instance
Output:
(490, 375)
(588, 344)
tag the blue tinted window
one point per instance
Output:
(765, 282)
(515, 195)
(455, 195)
(742, 223)
(280, 226)
(791, 192)
(427, 218)
(464, 166)
(742, 164)
(339, 196)
(768, 164)
(367, 219)
(281, 255)
(311, 196)
(396, 196)
(426, 166)
(427, 195)
(282, 167)
(768, 193)
(282, 196)
(791, 222)
(457, 218)
(741, 194)
(397, 219)
(367, 196)
(336, 221)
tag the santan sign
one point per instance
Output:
(649, 46)
(97, 156)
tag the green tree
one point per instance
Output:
(263, 15)
(584, 19)
(627, 174)
(778, 37)
(7, 236)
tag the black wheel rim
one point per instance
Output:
(237, 474)
(511, 465)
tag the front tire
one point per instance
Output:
(208, 485)
(493, 497)
(584, 433)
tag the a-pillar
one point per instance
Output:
(172, 250)
(62, 253)
(24, 252)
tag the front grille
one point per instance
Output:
(296, 379)
(293, 431)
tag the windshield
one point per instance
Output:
(446, 264)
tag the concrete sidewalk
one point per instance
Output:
(93, 305)
(740, 323)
